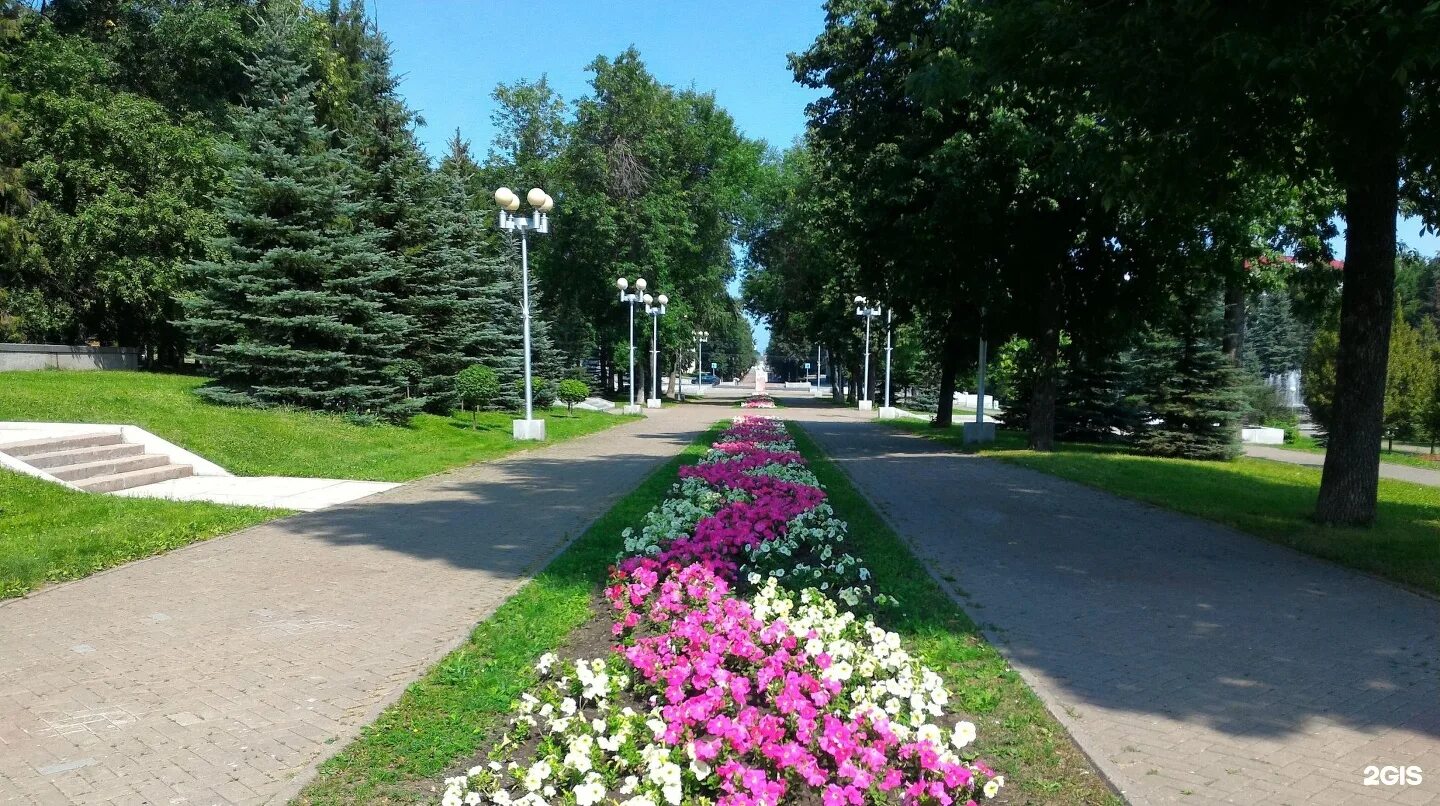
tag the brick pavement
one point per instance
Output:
(1193, 663)
(226, 671)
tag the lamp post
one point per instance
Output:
(863, 308)
(817, 370)
(701, 336)
(888, 412)
(655, 312)
(539, 222)
(631, 298)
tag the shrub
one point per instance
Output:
(572, 391)
(476, 386)
(542, 393)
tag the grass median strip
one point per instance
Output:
(1271, 500)
(449, 712)
(1021, 738)
(50, 533)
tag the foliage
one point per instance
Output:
(1409, 381)
(572, 391)
(1191, 409)
(1317, 377)
(476, 386)
(296, 308)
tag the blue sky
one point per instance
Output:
(452, 53)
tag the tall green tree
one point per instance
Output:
(1345, 91)
(293, 310)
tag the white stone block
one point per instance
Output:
(979, 432)
(631, 409)
(652, 403)
(528, 429)
(889, 413)
(1263, 436)
(867, 405)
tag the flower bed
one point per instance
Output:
(742, 673)
(758, 401)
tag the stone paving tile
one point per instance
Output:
(1389, 470)
(226, 671)
(1193, 663)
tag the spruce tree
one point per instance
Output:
(1092, 404)
(295, 310)
(1187, 388)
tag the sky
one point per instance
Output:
(452, 53)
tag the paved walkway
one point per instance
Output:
(1388, 470)
(226, 671)
(1193, 663)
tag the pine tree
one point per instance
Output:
(1430, 414)
(1190, 407)
(295, 310)
(1092, 404)
(1274, 339)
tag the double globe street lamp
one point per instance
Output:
(539, 222)
(655, 311)
(631, 298)
(864, 309)
(701, 336)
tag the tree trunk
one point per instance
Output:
(945, 403)
(1350, 481)
(837, 381)
(1043, 393)
(1235, 319)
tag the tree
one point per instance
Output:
(1345, 91)
(1430, 413)
(571, 391)
(294, 309)
(1190, 408)
(1317, 377)
(476, 386)
(1409, 381)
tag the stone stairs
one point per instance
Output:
(99, 463)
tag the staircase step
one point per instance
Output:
(30, 447)
(134, 478)
(75, 456)
(108, 467)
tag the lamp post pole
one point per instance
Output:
(655, 312)
(539, 222)
(631, 299)
(889, 319)
(864, 309)
(700, 337)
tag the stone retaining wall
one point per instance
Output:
(64, 356)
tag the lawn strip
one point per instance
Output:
(1041, 763)
(450, 711)
(1271, 500)
(50, 533)
(277, 442)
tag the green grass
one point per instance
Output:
(450, 711)
(49, 533)
(271, 442)
(1018, 736)
(1272, 500)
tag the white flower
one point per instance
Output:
(536, 775)
(546, 661)
(590, 792)
(964, 734)
(992, 786)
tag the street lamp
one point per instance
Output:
(632, 298)
(864, 309)
(655, 312)
(701, 336)
(539, 221)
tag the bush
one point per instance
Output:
(476, 386)
(542, 393)
(572, 391)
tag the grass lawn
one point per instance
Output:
(1272, 500)
(49, 533)
(1018, 736)
(448, 712)
(270, 442)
